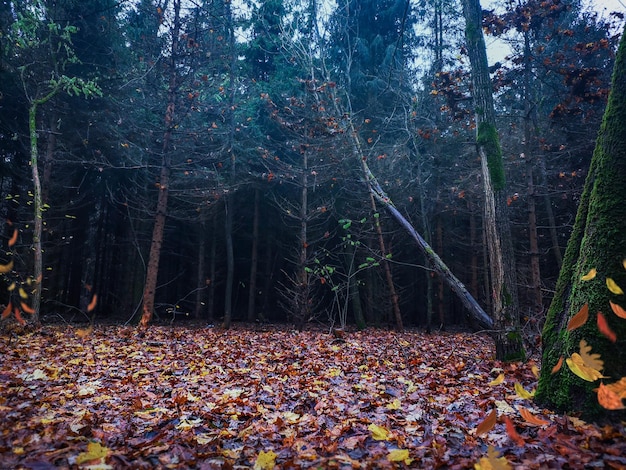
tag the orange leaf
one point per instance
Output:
(27, 308)
(13, 239)
(512, 432)
(92, 304)
(531, 418)
(18, 317)
(558, 365)
(7, 311)
(609, 399)
(488, 423)
(579, 319)
(604, 328)
(618, 310)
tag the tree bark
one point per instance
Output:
(598, 241)
(254, 256)
(509, 342)
(164, 178)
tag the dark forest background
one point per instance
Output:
(234, 125)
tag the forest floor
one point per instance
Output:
(172, 397)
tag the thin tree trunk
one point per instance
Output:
(164, 179)
(535, 271)
(201, 284)
(254, 256)
(229, 205)
(38, 214)
(212, 275)
(509, 343)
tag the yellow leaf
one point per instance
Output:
(522, 392)
(613, 287)
(11, 287)
(624, 263)
(378, 432)
(22, 293)
(535, 370)
(95, 451)
(578, 367)
(84, 332)
(265, 460)
(590, 275)
(493, 461)
(5, 268)
(399, 455)
(498, 380)
(394, 405)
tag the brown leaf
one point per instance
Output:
(488, 423)
(579, 319)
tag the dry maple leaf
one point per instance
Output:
(522, 392)
(591, 360)
(512, 432)
(265, 460)
(378, 432)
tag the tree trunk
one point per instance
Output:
(38, 214)
(164, 180)
(535, 272)
(598, 241)
(229, 203)
(254, 256)
(509, 342)
(201, 283)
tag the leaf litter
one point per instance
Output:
(274, 398)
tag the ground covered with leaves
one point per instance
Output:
(205, 398)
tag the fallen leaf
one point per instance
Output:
(399, 455)
(493, 461)
(579, 319)
(265, 460)
(590, 360)
(535, 370)
(498, 380)
(95, 451)
(604, 328)
(378, 432)
(92, 304)
(13, 238)
(488, 423)
(394, 405)
(522, 392)
(613, 287)
(531, 418)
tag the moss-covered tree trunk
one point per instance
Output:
(598, 242)
(503, 279)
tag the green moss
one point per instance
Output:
(490, 141)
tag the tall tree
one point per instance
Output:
(597, 244)
(509, 343)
